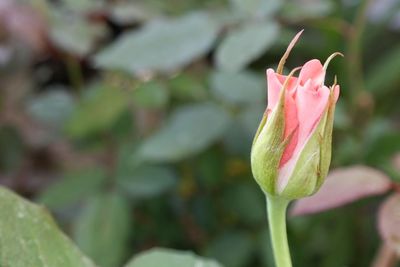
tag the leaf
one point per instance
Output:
(383, 75)
(147, 181)
(161, 257)
(97, 112)
(189, 130)
(303, 9)
(72, 187)
(129, 12)
(103, 229)
(250, 118)
(238, 88)
(256, 8)
(187, 87)
(52, 107)
(12, 149)
(161, 45)
(342, 186)
(389, 222)
(74, 34)
(246, 44)
(30, 237)
(151, 95)
(233, 249)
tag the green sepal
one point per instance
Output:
(267, 148)
(307, 174)
(326, 141)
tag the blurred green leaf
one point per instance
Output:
(161, 45)
(103, 229)
(12, 149)
(303, 9)
(146, 181)
(98, 111)
(129, 12)
(74, 34)
(238, 88)
(189, 130)
(52, 107)
(30, 237)
(256, 8)
(232, 249)
(83, 5)
(187, 87)
(151, 94)
(384, 75)
(246, 44)
(250, 118)
(158, 257)
(74, 186)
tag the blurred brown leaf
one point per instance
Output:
(342, 186)
(389, 222)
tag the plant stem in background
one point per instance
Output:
(355, 51)
(74, 72)
(277, 226)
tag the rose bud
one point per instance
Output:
(291, 151)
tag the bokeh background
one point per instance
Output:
(132, 121)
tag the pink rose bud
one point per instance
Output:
(291, 151)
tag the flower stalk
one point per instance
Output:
(276, 209)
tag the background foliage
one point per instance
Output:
(132, 121)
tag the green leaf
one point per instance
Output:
(246, 44)
(74, 187)
(161, 45)
(256, 8)
(30, 237)
(12, 149)
(187, 87)
(250, 118)
(74, 34)
(52, 107)
(130, 12)
(147, 181)
(151, 95)
(103, 229)
(83, 5)
(233, 249)
(297, 10)
(158, 257)
(189, 130)
(384, 74)
(98, 111)
(238, 88)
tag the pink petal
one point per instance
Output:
(342, 186)
(389, 222)
(312, 70)
(291, 127)
(310, 106)
(274, 85)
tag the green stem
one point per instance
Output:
(277, 226)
